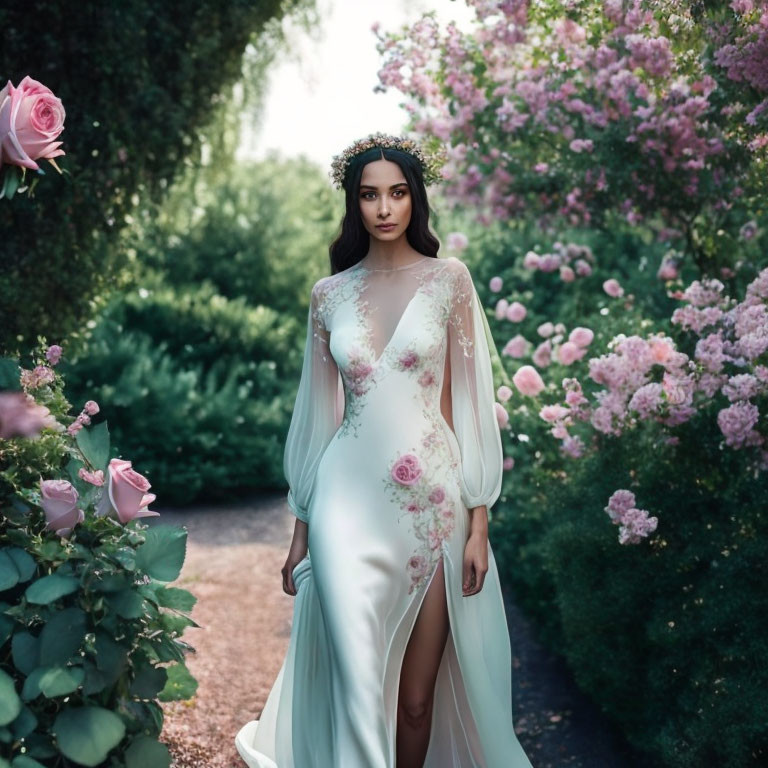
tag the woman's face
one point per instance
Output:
(385, 200)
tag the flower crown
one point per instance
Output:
(431, 159)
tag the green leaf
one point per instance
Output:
(148, 682)
(25, 649)
(25, 761)
(4, 763)
(11, 182)
(180, 685)
(9, 573)
(10, 703)
(93, 442)
(24, 562)
(94, 679)
(59, 681)
(50, 588)
(51, 550)
(111, 657)
(162, 553)
(146, 752)
(87, 734)
(112, 583)
(176, 623)
(31, 689)
(126, 557)
(174, 597)
(6, 623)
(25, 723)
(9, 374)
(62, 636)
(128, 603)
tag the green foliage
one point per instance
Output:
(139, 82)
(90, 631)
(626, 618)
(197, 366)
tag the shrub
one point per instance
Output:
(90, 630)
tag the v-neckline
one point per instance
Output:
(368, 328)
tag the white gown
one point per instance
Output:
(385, 484)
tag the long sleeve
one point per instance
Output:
(472, 395)
(317, 411)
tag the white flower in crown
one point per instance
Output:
(431, 159)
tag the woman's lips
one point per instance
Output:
(385, 226)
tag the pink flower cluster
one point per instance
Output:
(555, 347)
(564, 86)
(570, 261)
(649, 379)
(634, 524)
(91, 408)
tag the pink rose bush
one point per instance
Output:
(570, 261)
(634, 524)
(81, 577)
(648, 379)
(31, 118)
(125, 495)
(562, 88)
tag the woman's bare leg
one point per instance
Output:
(419, 673)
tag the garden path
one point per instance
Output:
(233, 562)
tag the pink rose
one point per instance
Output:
(408, 359)
(126, 493)
(59, 502)
(31, 117)
(516, 347)
(53, 354)
(661, 349)
(569, 353)
(406, 470)
(501, 414)
(528, 381)
(21, 416)
(545, 329)
(437, 495)
(508, 463)
(501, 309)
(516, 312)
(427, 378)
(94, 478)
(552, 413)
(581, 337)
(612, 287)
(457, 241)
(542, 354)
(496, 284)
(417, 566)
(567, 275)
(503, 393)
(91, 407)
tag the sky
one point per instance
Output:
(320, 96)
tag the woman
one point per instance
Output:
(399, 654)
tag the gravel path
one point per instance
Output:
(234, 557)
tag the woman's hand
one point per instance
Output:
(296, 554)
(476, 551)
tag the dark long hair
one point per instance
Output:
(353, 240)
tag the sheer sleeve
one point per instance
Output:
(317, 411)
(472, 395)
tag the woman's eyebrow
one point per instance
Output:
(392, 186)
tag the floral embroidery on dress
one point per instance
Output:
(425, 501)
